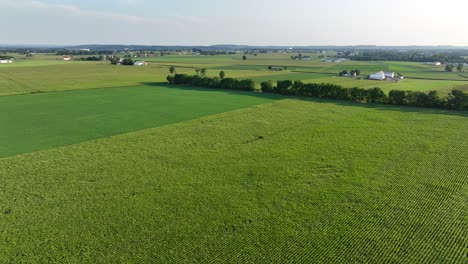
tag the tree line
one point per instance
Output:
(451, 67)
(413, 56)
(456, 100)
(216, 82)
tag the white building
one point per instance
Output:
(389, 75)
(377, 76)
(140, 63)
(67, 58)
(339, 60)
(382, 76)
(6, 61)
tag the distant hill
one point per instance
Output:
(230, 47)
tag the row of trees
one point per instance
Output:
(126, 61)
(416, 56)
(456, 100)
(91, 58)
(219, 83)
(84, 52)
(352, 73)
(202, 72)
(451, 67)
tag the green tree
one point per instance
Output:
(197, 71)
(449, 68)
(244, 57)
(460, 67)
(128, 61)
(375, 95)
(203, 72)
(172, 70)
(397, 97)
(268, 86)
(457, 100)
(222, 74)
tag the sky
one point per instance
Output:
(243, 22)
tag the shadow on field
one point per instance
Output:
(383, 107)
(193, 88)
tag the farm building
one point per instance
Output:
(67, 58)
(436, 63)
(340, 60)
(389, 75)
(383, 76)
(6, 61)
(377, 76)
(140, 63)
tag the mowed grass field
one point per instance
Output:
(288, 181)
(45, 73)
(40, 121)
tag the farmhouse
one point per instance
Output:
(6, 61)
(140, 63)
(67, 58)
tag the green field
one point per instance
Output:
(46, 73)
(41, 121)
(286, 181)
(106, 164)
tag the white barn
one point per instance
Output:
(377, 76)
(140, 63)
(6, 61)
(382, 76)
(389, 75)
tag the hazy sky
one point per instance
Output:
(252, 22)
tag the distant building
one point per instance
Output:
(67, 58)
(383, 76)
(389, 75)
(140, 63)
(436, 63)
(377, 76)
(339, 60)
(6, 61)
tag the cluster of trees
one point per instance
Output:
(84, 52)
(91, 58)
(219, 83)
(352, 73)
(126, 61)
(214, 52)
(457, 100)
(202, 72)
(451, 67)
(415, 56)
(300, 57)
(277, 68)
